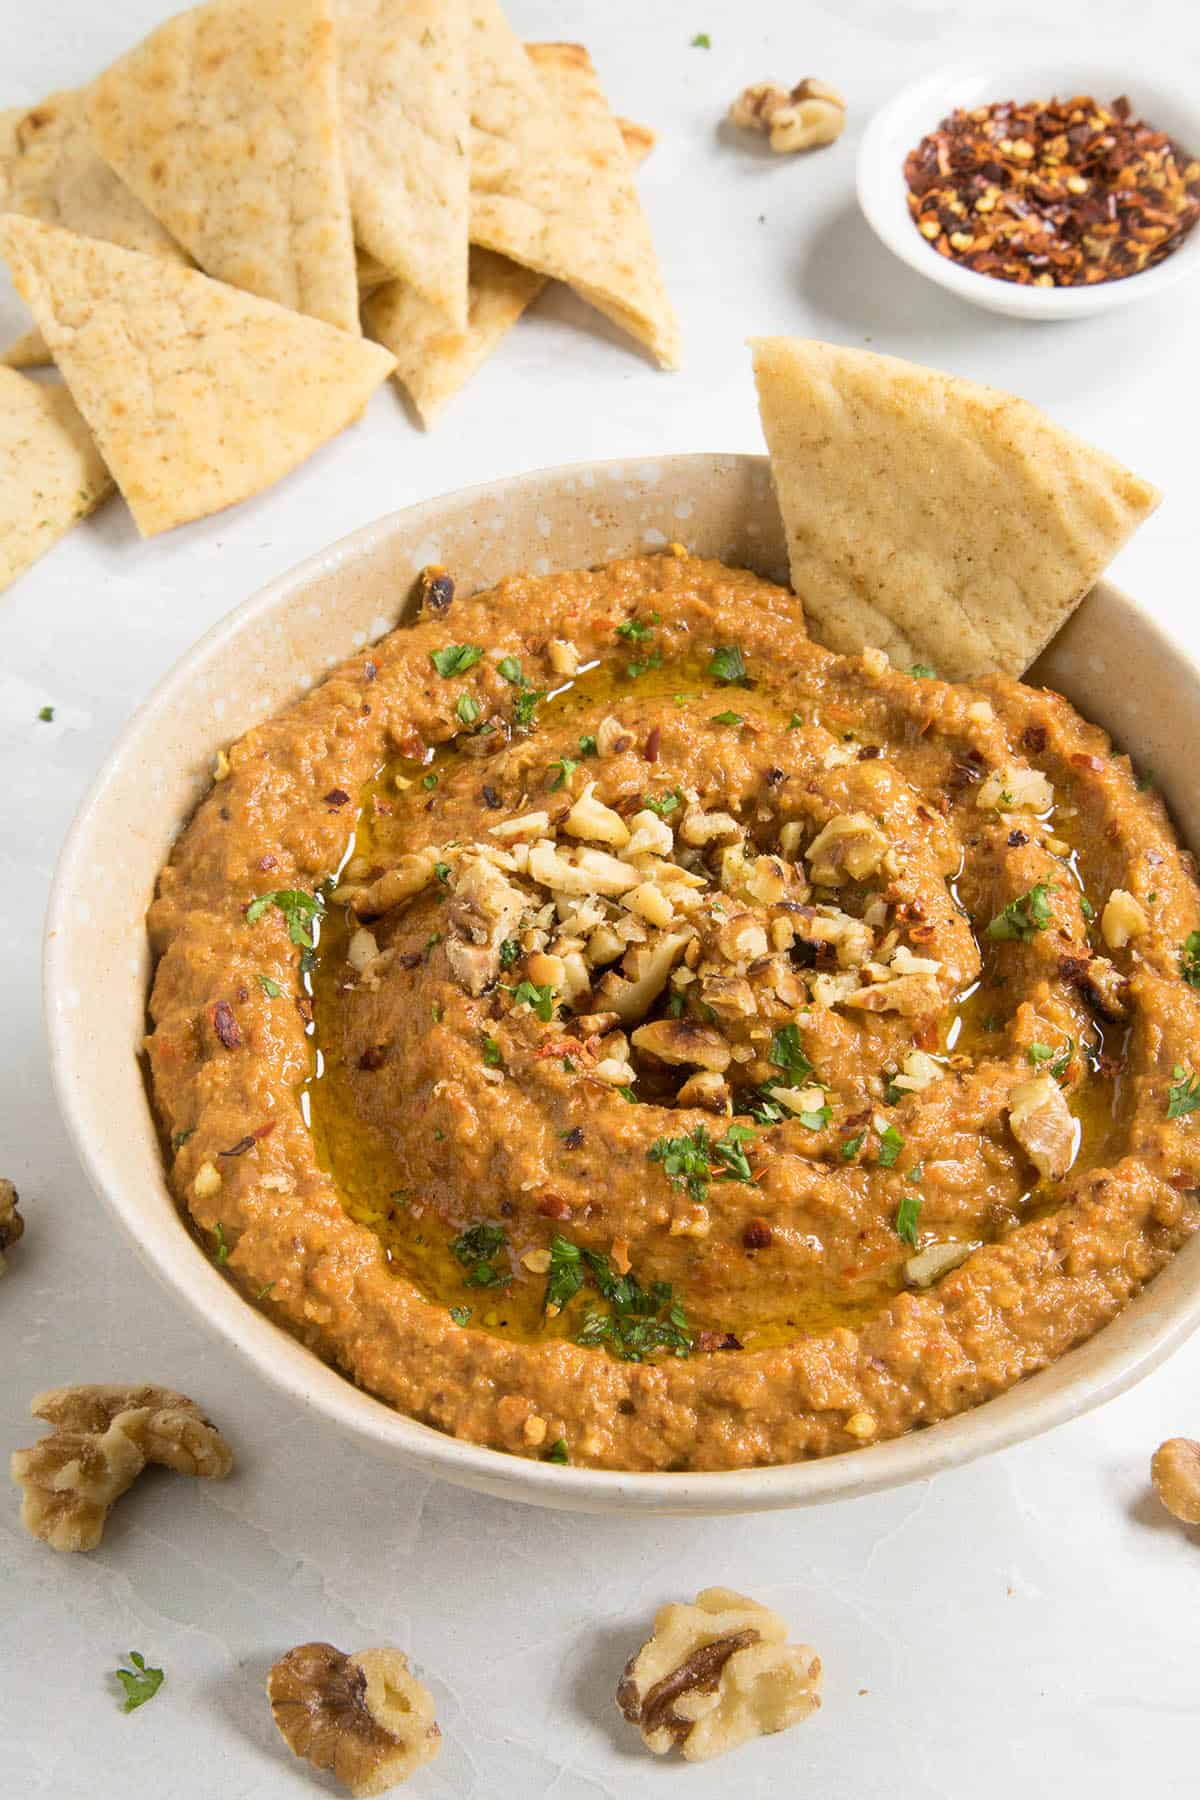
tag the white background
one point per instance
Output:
(1028, 1623)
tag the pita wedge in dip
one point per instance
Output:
(405, 112)
(432, 361)
(50, 170)
(224, 122)
(190, 387)
(552, 186)
(51, 472)
(948, 524)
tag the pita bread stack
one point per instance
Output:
(948, 524)
(51, 472)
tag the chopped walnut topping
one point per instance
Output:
(684, 1041)
(912, 996)
(589, 818)
(103, 1437)
(700, 828)
(1041, 1121)
(934, 1261)
(12, 1225)
(919, 1072)
(715, 1675)
(611, 737)
(706, 1089)
(409, 876)
(366, 1717)
(1175, 1471)
(1122, 919)
(810, 115)
(564, 657)
(484, 911)
(1013, 789)
(850, 848)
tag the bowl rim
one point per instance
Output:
(916, 108)
(287, 1365)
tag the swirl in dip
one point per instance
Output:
(713, 1051)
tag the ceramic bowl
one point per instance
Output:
(901, 124)
(1111, 659)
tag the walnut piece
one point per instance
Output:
(366, 1717)
(810, 115)
(1042, 1123)
(103, 1437)
(12, 1225)
(1175, 1471)
(715, 1675)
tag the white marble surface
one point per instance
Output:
(1028, 1622)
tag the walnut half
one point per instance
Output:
(715, 1675)
(366, 1717)
(103, 1437)
(810, 115)
(12, 1225)
(1175, 1471)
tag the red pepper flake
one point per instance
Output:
(337, 797)
(240, 1148)
(268, 862)
(757, 1235)
(411, 744)
(264, 1131)
(717, 1340)
(553, 1206)
(225, 1025)
(303, 1006)
(1059, 193)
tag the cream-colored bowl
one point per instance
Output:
(1111, 660)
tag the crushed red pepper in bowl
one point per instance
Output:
(1059, 193)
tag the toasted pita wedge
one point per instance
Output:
(198, 395)
(405, 124)
(51, 472)
(551, 185)
(432, 362)
(224, 122)
(945, 523)
(51, 170)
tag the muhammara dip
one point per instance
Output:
(715, 1051)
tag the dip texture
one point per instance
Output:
(612, 1028)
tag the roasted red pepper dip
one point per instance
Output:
(1063, 193)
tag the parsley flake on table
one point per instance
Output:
(1025, 916)
(701, 41)
(477, 1249)
(140, 1682)
(1189, 959)
(299, 910)
(907, 1214)
(46, 715)
(890, 1145)
(1184, 1093)
(455, 659)
(540, 999)
(727, 664)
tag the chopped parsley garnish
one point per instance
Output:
(852, 1146)
(1144, 780)
(565, 1276)
(641, 1320)
(510, 669)
(510, 950)
(557, 1453)
(1039, 1053)
(1189, 959)
(676, 1005)
(455, 659)
(460, 1314)
(221, 1253)
(634, 629)
(46, 714)
(766, 1111)
(916, 1173)
(270, 987)
(1086, 908)
(477, 1249)
(653, 661)
(526, 707)
(566, 768)
(795, 723)
(728, 718)
(702, 41)
(541, 999)
(264, 1290)
(442, 872)
(1184, 1093)
(140, 1682)
(890, 1146)
(907, 1214)
(467, 708)
(492, 1059)
(923, 672)
(663, 803)
(728, 664)
(627, 1093)
(180, 1138)
(729, 1153)
(816, 1121)
(428, 782)
(1024, 916)
(587, 746)
(298, 908)
(787, 1053)
(687, 1160)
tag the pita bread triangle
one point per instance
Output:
(198, 395)
(406, 124)
(224, 122)
(949, 524)
(552, 186)
(51, 472)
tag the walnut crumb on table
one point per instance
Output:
(12, 1225)
(365, 1717)
(810, 115)
(1175, 1471)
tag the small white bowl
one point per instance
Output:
(1110, 659)
(899, 126)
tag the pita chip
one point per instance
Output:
(51, 472)
(224, 122)
(552, 187)
(945, 523)
(198, 395)
(51, 170)
(405, 105)
(434, 362)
